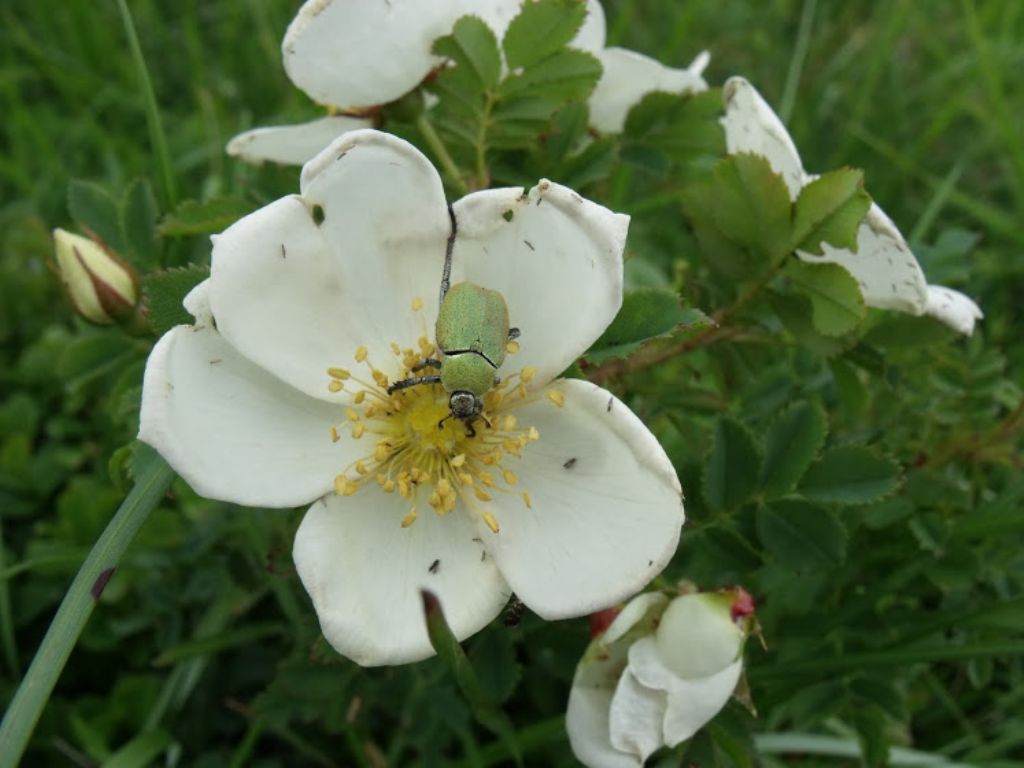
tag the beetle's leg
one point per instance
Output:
(486, 421)
(412, 382)
(470, 429)
(513, 333)
(428, 363)
(440, 424)
(446, 276)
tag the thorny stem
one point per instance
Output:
(451, 171)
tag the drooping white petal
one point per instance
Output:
(690, 703)
(364, 573)
(353, 53)
(296, 296)
(606, 505)
(635, 719)
(953, 308)
(888, 274)
(557, 259)
(587, 723)
(233, 431)
(592, 34)
(629, 76)
(884, 266)
(293, 144)
(197, 304)
(752, 126)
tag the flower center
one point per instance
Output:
(418, 450)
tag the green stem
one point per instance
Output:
(10, 645)
(451, 171)
(156, 129)
(153, 476)
(796, 63)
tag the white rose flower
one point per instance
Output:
(883, 265)
(354, 56)
(660, 671)
(277, 396)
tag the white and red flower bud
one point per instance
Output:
(102, 287)
(659, 672)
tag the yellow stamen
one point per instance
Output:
(527, 374)
(335, 437)
(526, 500)
(556, 397)
(351, 414)
(358, 430)
(339, 373)
(409, 519)
(458, 461)
(483, 495)
(417, 304)
(335, 386)
(492, 522)
(361, 354)
(360, 396)
(512, 347)
(510, 477)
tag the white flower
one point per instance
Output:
(277, 397)
(354, 56)
(656, 675)
(883, 265)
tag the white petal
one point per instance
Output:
(697, 636)
(752, 126)
(233, 431)
(884, 267)
(557, 259)
(629, 76)
(606, 506)
(364, 573)
(296, 297)
(691, 703)
(197, 304)
(636, 716)
(635, 610)
(592, 34)
(953, 308)
(586, 721)
(292, 144)
(354, 53)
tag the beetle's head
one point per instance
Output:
(465, 405)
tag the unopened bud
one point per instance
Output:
(103, 289)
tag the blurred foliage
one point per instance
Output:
(859, 473)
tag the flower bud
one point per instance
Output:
(659, 672)
(103, 289)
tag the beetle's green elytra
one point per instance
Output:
(472, 332)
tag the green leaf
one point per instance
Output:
(837, 306)
(646, 313)
(138, 219)
(830, 210)
(140, 751)
(744, 202)
(214, 644)
(96, 210)
(473, 49)
(164, 291)
(566, 76)
(792, 442)
(733, 466)
(801, 536)
(541, 29)
(850, 474)
(667, 132)
(193, 217)
(795, 312)
(454, 658)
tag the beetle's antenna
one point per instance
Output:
(446, 276)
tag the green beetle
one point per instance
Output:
(472, 332)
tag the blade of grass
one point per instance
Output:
(153, 476)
